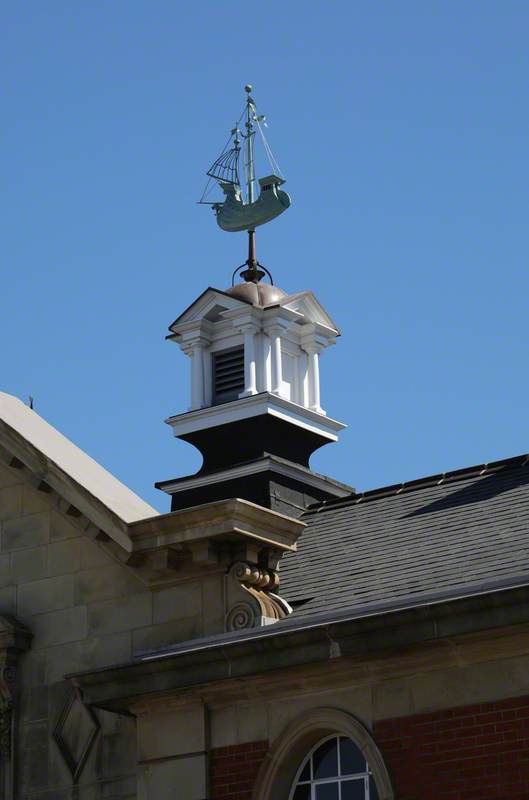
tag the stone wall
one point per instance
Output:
(85, 610)
(172, 753)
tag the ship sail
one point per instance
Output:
(226, 168)
(240, 210)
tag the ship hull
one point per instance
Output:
(234, 215)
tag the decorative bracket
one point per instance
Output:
(251, 598)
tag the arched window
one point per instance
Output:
(335, 769)
(324, 754)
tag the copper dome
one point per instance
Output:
(258, 294)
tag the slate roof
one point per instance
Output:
(467, 529)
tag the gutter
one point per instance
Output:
(363, 634)
(326, 619)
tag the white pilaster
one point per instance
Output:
(277, 369)
(277, 323)
(250, 383)
(302, 388)
(313, 373)
(208, 376)
(264, 374)
(197, 374)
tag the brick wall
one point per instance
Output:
(468, 753)
(234, 770)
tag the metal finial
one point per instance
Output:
(251, 271)
(248, 88)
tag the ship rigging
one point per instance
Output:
(241, 209)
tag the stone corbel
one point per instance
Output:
(251, 598)
(201, 540)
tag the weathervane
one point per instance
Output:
(240, 211)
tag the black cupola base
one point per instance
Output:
(244, 440)
(269, 481)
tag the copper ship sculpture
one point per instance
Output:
(241, 210)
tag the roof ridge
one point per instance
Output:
(420, 483)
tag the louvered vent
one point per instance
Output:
(228, 375)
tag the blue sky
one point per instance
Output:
(402, 129)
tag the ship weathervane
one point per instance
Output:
(241, 210)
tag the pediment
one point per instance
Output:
(210, 305)
(306, 304)
(55, 465)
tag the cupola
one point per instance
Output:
(255, 411)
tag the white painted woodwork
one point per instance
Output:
(197, 376)
(250, 374)
(208, 376)
(281, 344)
(302, 380)
(277, 367)
(264, 378)
(313, 372)
(289, 377)
(256, 405)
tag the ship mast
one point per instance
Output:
(250, 134)
(252, 273)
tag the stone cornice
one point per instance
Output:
(228, 518)
(174, 547)
(364, 648)
(72, 498)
